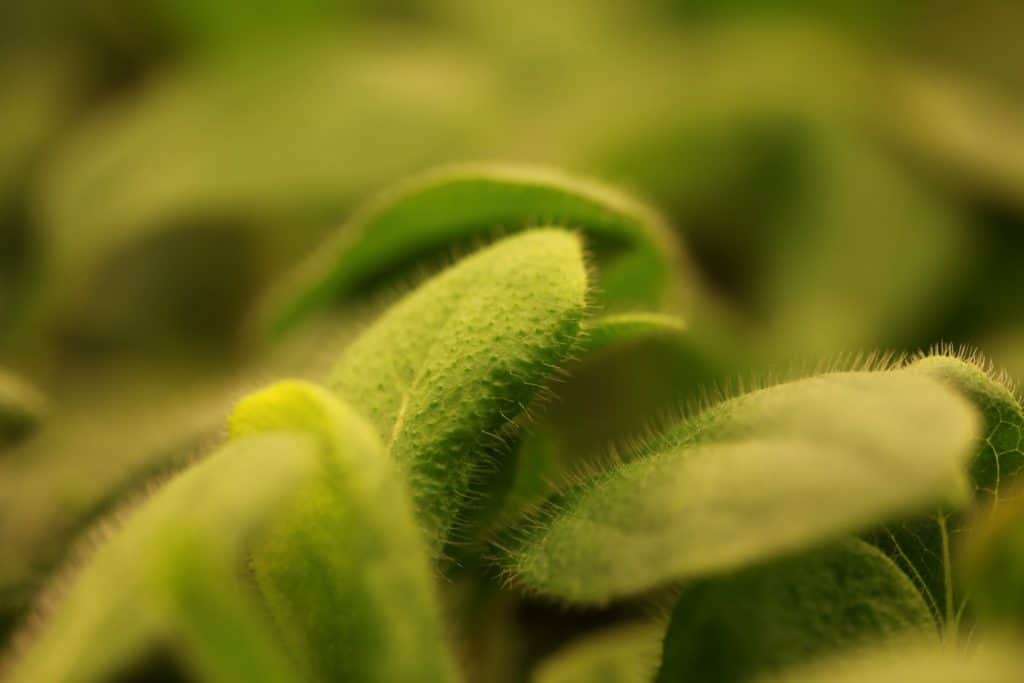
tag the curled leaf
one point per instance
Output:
(444, 371)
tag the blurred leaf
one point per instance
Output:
(771, 617)
(622, 328)
(638, 259)
(89, 457)
(622, 654)
(445, 370)
(164, 592)
(22, 408)
(345, 571)
(812, 239)
(263, 148)
(903, 661)
(964, 132)
(992, 561)
(743, 481)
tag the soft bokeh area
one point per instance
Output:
(844, 178)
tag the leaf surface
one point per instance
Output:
(446, 207)
(745, 480)
(167, 583)
(345, 570)
(774, 616)
(445, 370)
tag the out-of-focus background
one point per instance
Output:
(846, 175)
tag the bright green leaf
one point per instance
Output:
(443, 372)
(345, 571)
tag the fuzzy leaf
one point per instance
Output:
(630, 367)
(93, 452)
(345, 570)
(456, 204)
(744, 481)
(774, 616)
(443, 372)
(923, 546)
(166, 586)
(22, 408)
(622, 654)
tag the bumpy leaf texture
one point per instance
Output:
(444, 371)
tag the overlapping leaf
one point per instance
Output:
(345, 570)
(453, 206)
(442, 373)
(772, 617)
(745, 480)
(165, 591)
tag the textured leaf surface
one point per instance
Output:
(649, 358)
(452, 205)
(448, 367)
(167, 584)
(345, 571)
(771, 617)
(745, 481)
(623, 654)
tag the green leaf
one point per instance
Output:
(785, 209)
(345, 571)
(992, 562)
(234, 165)
(902, 661)
(97, 448)
(453, 205)
(623, 328)
(622, 654)
(449, 367)
(22, 408)
(771, 617)
(166, 587)
(629, 368)
(744, 481)
(923, 546)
